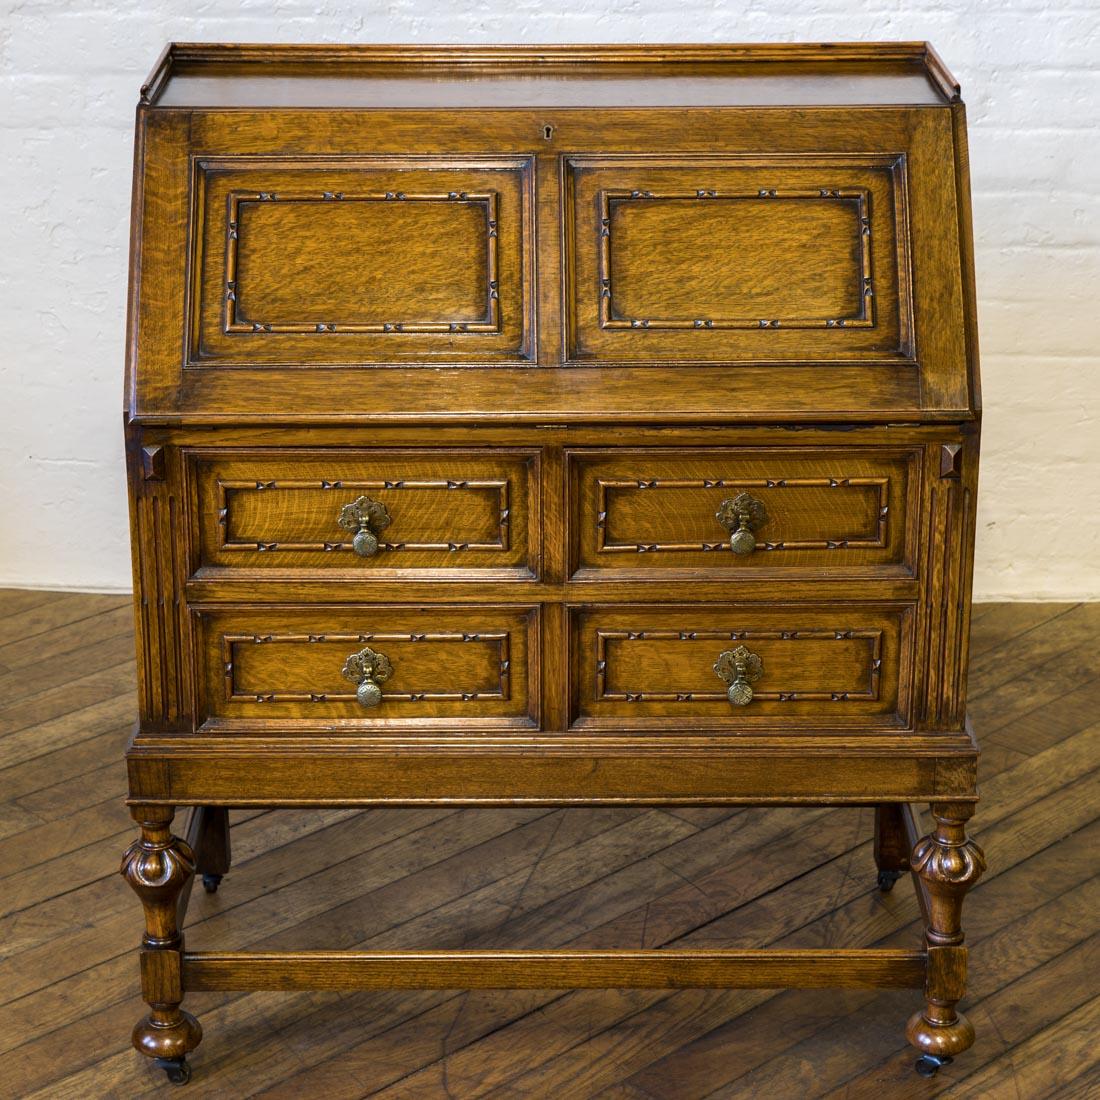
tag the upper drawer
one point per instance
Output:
(850, 511)
(727, 258)
(402, 512)
(361, 260)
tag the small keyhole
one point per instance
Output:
(548, 132)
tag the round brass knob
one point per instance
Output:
(741, 515)
(742, 541)
(365, 542)
(368, 669)
(366, 518)
(740, 668)
(739, 693)
(368, 693)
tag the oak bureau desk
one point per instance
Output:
(551, 426)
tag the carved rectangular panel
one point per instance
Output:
(466, 512)
(319, 261)
(728, 258)
(654, 667)
(852, 511)
(459, 667)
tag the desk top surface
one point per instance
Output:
(365, 77)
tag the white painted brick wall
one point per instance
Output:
(68, 84)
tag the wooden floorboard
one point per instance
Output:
(580, 879)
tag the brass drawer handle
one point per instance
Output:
(740, 668)
(368, 668)
(741, 515)
(366, 518)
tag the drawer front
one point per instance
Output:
(395, 511)
(792, 667)
(366, 260)
(852, 512)
(728, 258)
(370, 667)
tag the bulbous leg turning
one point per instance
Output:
(167, 1032)
(939, 1032)
(157, 866)
(167, 1035)
(948, 863)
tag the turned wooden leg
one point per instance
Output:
(212, 847)
(891, 846)
(947, 863)
(158, 866)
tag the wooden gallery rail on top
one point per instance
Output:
(551, 426)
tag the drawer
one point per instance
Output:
(851, 511)
(673, 668)
(369, 667)
(393, 512)
(687, 258)
(312, 261)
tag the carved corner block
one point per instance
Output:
(153, 463)
(951, 460)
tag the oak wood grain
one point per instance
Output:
(851, 513)
(1033, 903)
(465, 512)
(935, 384)
(542, 346)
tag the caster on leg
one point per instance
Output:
(886, 880)
(177, 1070)
(891, 845)
(211, 826)
(928, 1065)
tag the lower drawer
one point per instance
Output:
(684, 668)
(368, 667)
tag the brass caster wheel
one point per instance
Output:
(927, 1065)
(210, 883)
(176, 1069)
(886, 880)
